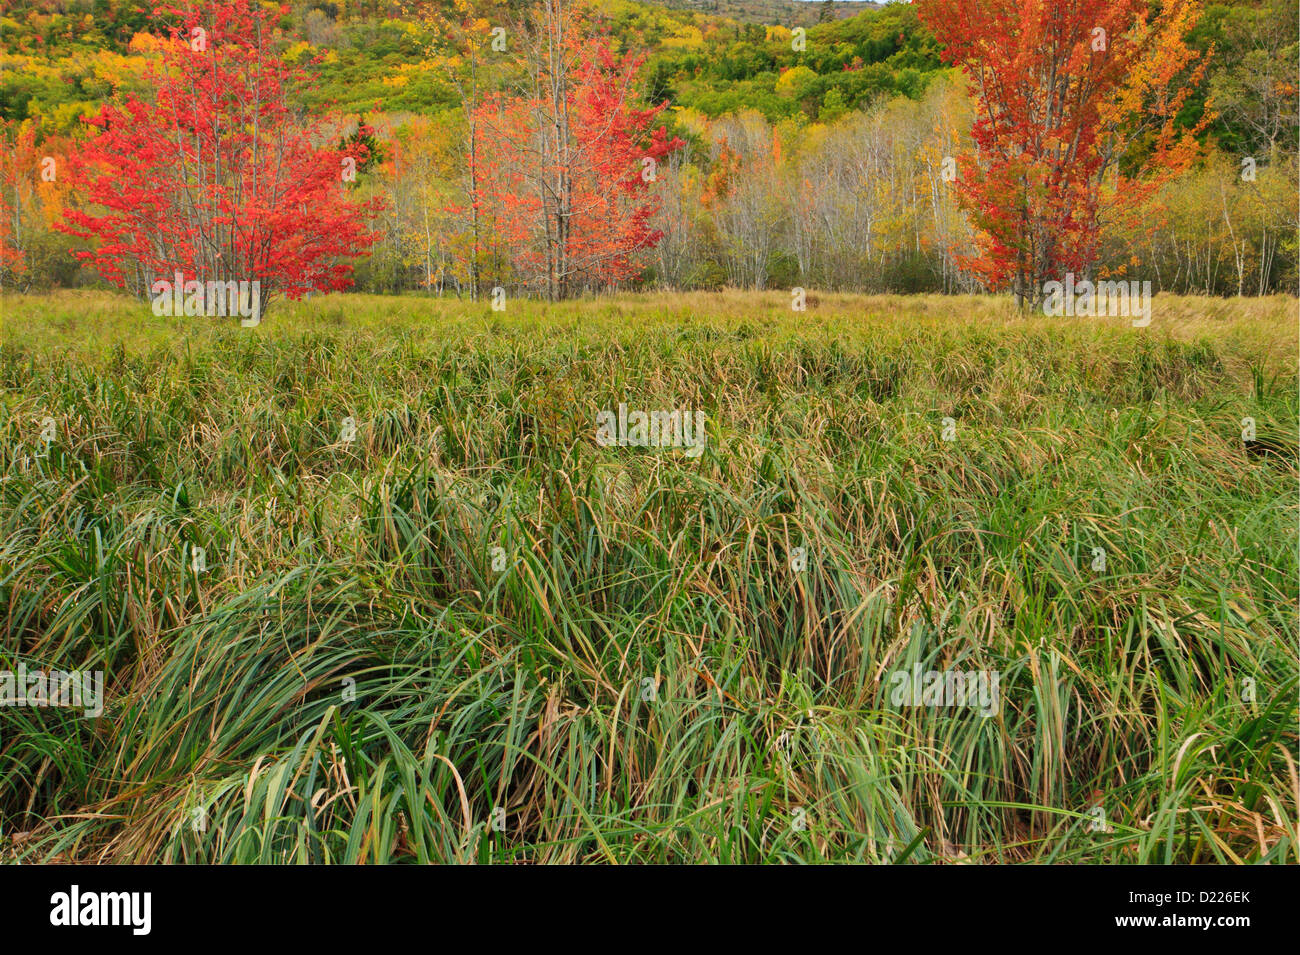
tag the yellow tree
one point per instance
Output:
(32, 195)
(465, 35)
(425, 194)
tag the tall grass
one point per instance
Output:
(649, 678)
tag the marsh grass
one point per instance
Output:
(648, 679)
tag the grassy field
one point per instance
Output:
(649, 669)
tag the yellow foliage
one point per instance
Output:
(297, 51)
(791, 78)
(687, 38)
(145, 43)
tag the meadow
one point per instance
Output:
(467, 632)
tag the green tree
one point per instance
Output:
(833, 106)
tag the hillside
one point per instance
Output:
(58, 62)
(787, 13)
(60, 59)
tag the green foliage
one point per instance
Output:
(1252, 75)
(364, 135)
(363, 64)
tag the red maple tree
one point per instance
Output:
(212, 174)
(568, 167)
(1070, 94)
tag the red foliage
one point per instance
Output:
(1069, 92)
(214, 176)
(568, 182)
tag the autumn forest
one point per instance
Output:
(672, 432)
(570, 148)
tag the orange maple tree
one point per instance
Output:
(1078, 104)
